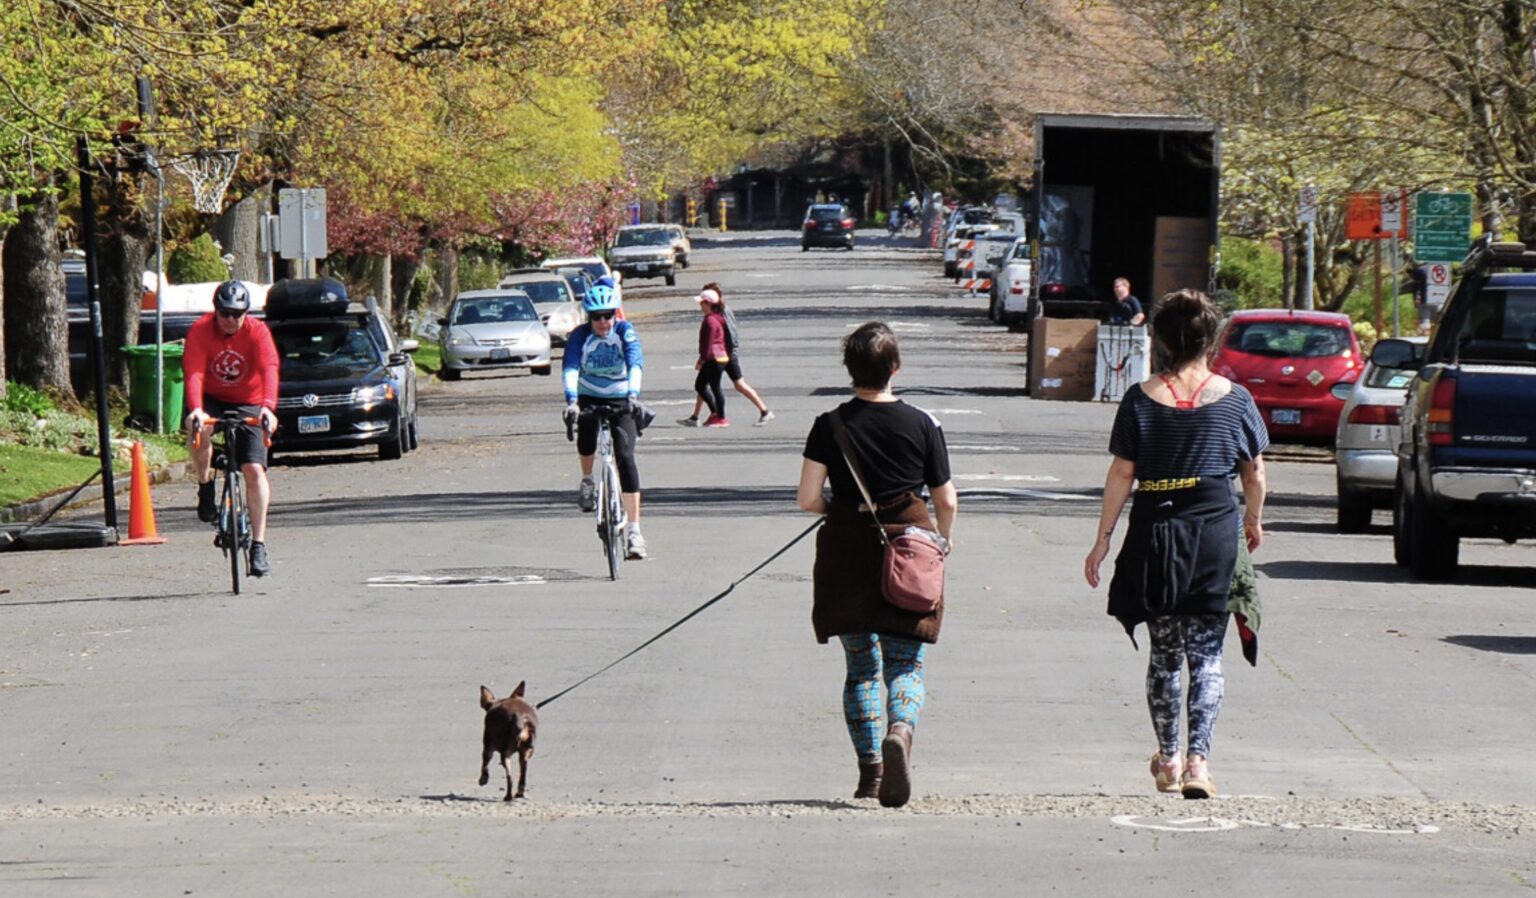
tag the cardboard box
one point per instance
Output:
(1063, 358)
(1181, 256)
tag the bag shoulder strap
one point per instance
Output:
(840, 433)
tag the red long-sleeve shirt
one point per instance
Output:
(712, 337)
(240, 369)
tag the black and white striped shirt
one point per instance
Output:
(1207, 441)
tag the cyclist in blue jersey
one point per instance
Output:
(602, 366)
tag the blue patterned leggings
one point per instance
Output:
(872, 658)
(1196, 639)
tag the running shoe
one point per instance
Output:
(690, 421)
(259, 564)
(764, 418)
(1197, 779)
(586, 497)
(1167, 772)
(207, 507)
(718, 421)
(635, 545)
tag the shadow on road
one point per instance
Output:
(171, 597)
(1387, 572)
(1505, 645)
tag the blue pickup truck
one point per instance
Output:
(1466, 462)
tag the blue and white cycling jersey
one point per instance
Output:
(602, 367)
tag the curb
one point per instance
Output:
(28, 511)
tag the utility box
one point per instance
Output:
(1125, 358)
(1063, 357)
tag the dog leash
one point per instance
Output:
(685, 618)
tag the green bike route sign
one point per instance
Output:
(1442, 226)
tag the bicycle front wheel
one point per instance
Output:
(234, 502)
(614, 525)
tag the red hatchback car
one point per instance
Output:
(1299, 366)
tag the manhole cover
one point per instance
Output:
(452, 580)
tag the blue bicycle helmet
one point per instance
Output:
(600, 299)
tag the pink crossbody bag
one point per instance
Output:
(912, 572)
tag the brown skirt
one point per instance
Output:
(849, 557)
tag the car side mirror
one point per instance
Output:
(443, 321)
(409, 345)
(398, 358)
(1396, 354)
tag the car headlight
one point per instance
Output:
(459, 338)
(367, 396)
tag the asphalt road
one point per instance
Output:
(320, 734)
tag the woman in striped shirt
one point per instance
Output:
(1181, 438)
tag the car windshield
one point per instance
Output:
(543, 293)
(1288, 339)
(324, 343)
(578, 283)
(1501, 328)
(827, 214)
(493, 308)
(646, 237)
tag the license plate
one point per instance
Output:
(642, 266)
(500, 355)
(1286, 416)
(314, 423)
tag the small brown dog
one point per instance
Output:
(510, 725)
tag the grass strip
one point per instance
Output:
(28, 473)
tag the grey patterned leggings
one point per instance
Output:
(1197, 639)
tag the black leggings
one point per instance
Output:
(707, 385)
(624, 436)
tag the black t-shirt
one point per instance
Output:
(899, 447)
(1127, 309)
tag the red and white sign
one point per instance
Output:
(1437, 284)
(1391, 212)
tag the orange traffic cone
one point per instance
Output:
(141, 511)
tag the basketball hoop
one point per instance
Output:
(209, 171)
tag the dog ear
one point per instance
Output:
(518, 692)
(486, 698)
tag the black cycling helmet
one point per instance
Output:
(231, 296)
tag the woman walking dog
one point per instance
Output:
(1181, 438)
(898, 450)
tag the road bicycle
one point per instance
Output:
(232, 527)
(609, 508)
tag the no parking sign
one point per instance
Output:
(1437, 283)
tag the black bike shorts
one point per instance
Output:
(624, 437)
(733, 368)
(250, 442)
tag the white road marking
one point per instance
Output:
(1026, 478)
(983, 493)
(1219, 824)
(955, 411)
(1182, 825)
(671, 402)
(968, 447)
(893, 288)
(684, 368)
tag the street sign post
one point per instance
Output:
(1391, 212)
(1308, 211)
(301, 226)
(1442, 226)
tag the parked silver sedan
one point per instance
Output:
(489, 329)
(1366, 442)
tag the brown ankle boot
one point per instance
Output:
(869, 780)
(896, 781)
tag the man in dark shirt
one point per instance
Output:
(1127, 307)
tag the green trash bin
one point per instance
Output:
(142, 401)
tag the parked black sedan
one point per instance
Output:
(341, 385)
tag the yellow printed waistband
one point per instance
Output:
(1163, 486)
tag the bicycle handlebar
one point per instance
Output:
(231, 420)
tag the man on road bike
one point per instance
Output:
(231, 364)
(602, 367)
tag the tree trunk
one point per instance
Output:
(238, 230)
(5, 206)
(124, 251)
(403, 275)
(448, 272)
(36, 317)
(381, 281)
(1287, 273)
